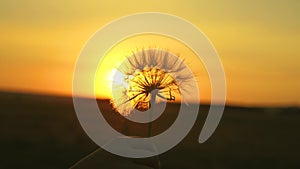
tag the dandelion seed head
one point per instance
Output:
(146, 73)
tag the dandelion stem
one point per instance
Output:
(152, 102)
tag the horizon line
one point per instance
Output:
(66, 95)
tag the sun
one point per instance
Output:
(107, 70)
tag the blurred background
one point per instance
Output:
(257, 42)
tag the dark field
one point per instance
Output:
(43, 132)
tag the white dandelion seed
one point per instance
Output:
(147, 75)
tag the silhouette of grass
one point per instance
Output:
(43, 132)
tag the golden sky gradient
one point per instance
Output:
(257, 41)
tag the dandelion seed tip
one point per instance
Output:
(147, 70)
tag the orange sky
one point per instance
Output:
(256, 41)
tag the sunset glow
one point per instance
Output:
(257, 43)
